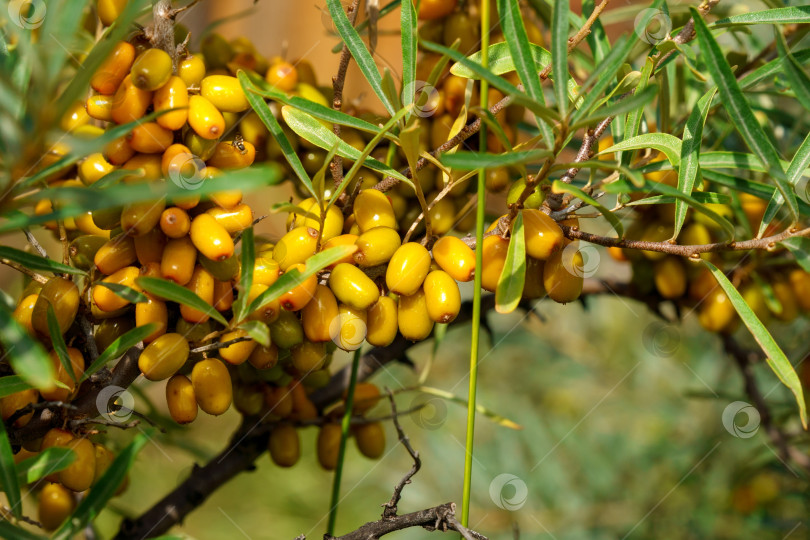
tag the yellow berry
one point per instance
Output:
(373, 209)
(382, 322)
(112, 71)
(284, 445)
(442, 297)
(414, 322)
(376, 246)
(562, 277)
(310, 217)
(63, 295)
(296, 247)
(181, 400)
(408, 268)
(191, 70)
(225, 92)
(177, 262)
(370, 439)
(318, 315)
(670, 277)
(211, 238)
(283, 76)
(55, 505)
(152, 69)
(172, 95)
(328, 445)
(129, 102)
(201, 284)
(494, 257)
(300, 295)
(106, 299)
(348, 330)
(163, 357)
(543, 235)
(238, 352)
(455, 257)
(212, 386)
(353, 287)
(204, 118)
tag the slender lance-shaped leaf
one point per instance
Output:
(468, 161)
(800, 248)
(699, 196)
(690, 156)
(776, 359)
(267, 117)
(521, 54)
(7, 530)
(500, 60)
(127, 293)
(258, 332)
(801, 160)
(49, 461)
(633, 122)
(59, 343)
(562, 187)
(635, 102)
(175, 293)
(670, 145)
(246, 275)
(359, 52)
(740, 111)
(12, 384)
(103, 490)
(603, 75)
(559, 52)
(8, 474)
(363, 25)
(763, 191)
(513, 276)
(36, 262)
(27, 357)
(407, 23)
(118, 347)
(770, 69)
(795, 73)
(785, 15)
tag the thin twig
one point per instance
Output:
(27, 271)
(391, 506)
(219, 345)
(35, 243)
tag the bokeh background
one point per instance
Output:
(621, 414)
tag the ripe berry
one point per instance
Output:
(109, 10)
(376, 246)
(328, 445)
(113, 69)
(533, 283)
(295, 247)
(24, 312)
(366, 396)
(342, 240)
(353, 287)
(63, 295)
(204, 118)
(225, 92)
(264, 357)
(83, 249)
(787, 300)
(55, 504)
(284, 445)
(223, 295)
(163, 357)
(238, 352)
(16, 401)
(373, 209)
(494, 258)
(670, 277)
(104, 458)
(99, 107)
(442, 297)
(152, 311)
(140, 218)
(106, 299)
(442, 216)
(150, 138)
(382, 322)
(543, 235)
(348, 330)
(435, 9)
(716, 312)
(283, 76)
(177, 263)
(318, 314)
(181, 400)
(300, 295)
(211, 238)
(152, 69)
(129, 102)
(79, 475)
(310, 217)
(800, 281)
(562, 277)
(228, 155)
(191, 70)
(414, 322)
(370, 439)
(455, 257)
(212, 386)
(93, 168)
(174, 222)
(172, 95)
(235, 219)
(201, 284)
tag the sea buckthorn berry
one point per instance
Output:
(318, 314)
(455, 257)
(129, 102)
(16, 401)
(152, 311)
(655, 232)
(442, 216)
(408, 268)
(300, 295)
(93, 168)
(118, 151)
(201, 284)
(271, 310)
(140, 218)
(113, 69)
(211, 238)
(286, 332)
(283, 76)
(669, 177)
(223, 295)
(235, 219)
(328, 445)
(787, 301)
(562, 276)
(348, 330)
(181, 400)
(533, 286)
(107, 300)
(494, 257)
(341, 240)
(412, 315)
(191, 70)
(111, 329)
(63, 376)
(115, 254)
(177, 161)
(224, 199)
(56, 503)
(295, 247)
(308, 356)
(150, 138)
(604, 144)
(543, 235)
(353, 287)
(264, 357)
(800, 281)
(109, 10)
(83, 249)
(376, 246)
(442, 297)
(204, 118)
(24, 312)
(366, 396)
(435, 9)
(373, 209)
(147, 167)
(225, 92)
(79, 475)
(163, 357)
(151, 69)
(670, 277)
(174, 222)
(63, 295)
(716, 314)
(172, 95)
(284, 445)
(227, 155)
(382, 322)
(370, 439)
(212, 386)
(86, 225)
(310, 217)
(265, 271)
(99, 107)
(149, 246)
(238, 352)
(104, 458)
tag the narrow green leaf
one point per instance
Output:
(670, 145)
(175, 293)
(127, 293)
(103, 490)
(795, 73)
(246, 274)
(690, 155)
(495, 417)
(119, 346)
(770, 70)
(699, 196)
(37, 262)
(800, 248)
(500, 60)
(801, 160)
(776, 359)
(468, 161)
(7, 530)
(58, 343)
(633, 103)
(603, 76)
(784, 15)
(8, 474)
(513, 276)
(409, 33)
(632, 123)
(615, 222)
(359, 52)
(49, 461)
(363, 25)
(12, 384)
(258, 331)
(739, 109)
(26, 356)
(763, 191)
(559, 52)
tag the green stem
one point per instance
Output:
(476, 315)
(344, 436)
